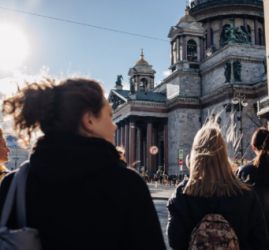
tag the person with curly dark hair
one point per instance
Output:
(77, 194)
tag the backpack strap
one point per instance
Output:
(16, 191)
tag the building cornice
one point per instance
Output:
(248, 90)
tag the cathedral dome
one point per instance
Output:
(187, 17)
(142, 61)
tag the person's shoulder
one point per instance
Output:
(179, 189)
(128, 173)
(246, 168)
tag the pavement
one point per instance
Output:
(163, 192)
(160, 195)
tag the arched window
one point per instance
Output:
(212, 37)
(192, 50)
(249, 33)
(260, 36)
(144, 84)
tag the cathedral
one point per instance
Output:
(217, 52)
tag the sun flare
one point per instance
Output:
(14, 47)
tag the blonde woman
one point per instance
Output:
(214, 189)
(4, 150)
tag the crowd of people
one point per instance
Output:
(67, 204)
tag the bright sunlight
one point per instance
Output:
(14, 47)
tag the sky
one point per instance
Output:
(59, 50)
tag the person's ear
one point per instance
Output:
(88, 122)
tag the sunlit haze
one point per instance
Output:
(14, 47)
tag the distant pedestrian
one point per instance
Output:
(174, 179)
(161, 179)
(4, 150)
(170, 178)
(77, 194)
(256, 172)
(213, 209)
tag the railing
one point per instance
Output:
(220, 2)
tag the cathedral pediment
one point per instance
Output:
(115, 99)
(195, 26)
(173, 30)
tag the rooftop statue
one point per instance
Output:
(237, 71)
(132, 87)
(118, 82)
(265, 65)
(231, 34)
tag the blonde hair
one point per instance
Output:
(210, 170)
(121, 152)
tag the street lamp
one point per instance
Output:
(138, 134)
(238, 98)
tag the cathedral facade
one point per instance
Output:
(217, 51)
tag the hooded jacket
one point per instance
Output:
(78, 197)
(243, 212)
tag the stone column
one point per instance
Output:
(132, 120)
(178, 48)
(138, 83)
(159, 154)
(201, 48)
(184, 48)
(172, 56)
(122, 133)
(126, 140)
(256, 31)
(208, 32)
(149, 142)
(165, 135)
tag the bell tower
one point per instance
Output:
(142, 75)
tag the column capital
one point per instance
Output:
(220, 17)
(132, 118)
(208, 19)
(118, 124)
(122, 123)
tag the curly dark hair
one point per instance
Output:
(53, 108)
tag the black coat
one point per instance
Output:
(78, 197)
(243, 212)
(248, 173)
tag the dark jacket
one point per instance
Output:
(243, 212)
(248, 173)
(78, 197)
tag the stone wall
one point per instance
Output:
(251, 58)
(183, 125)
(227, 119)
(172, 88)
(189, 86)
